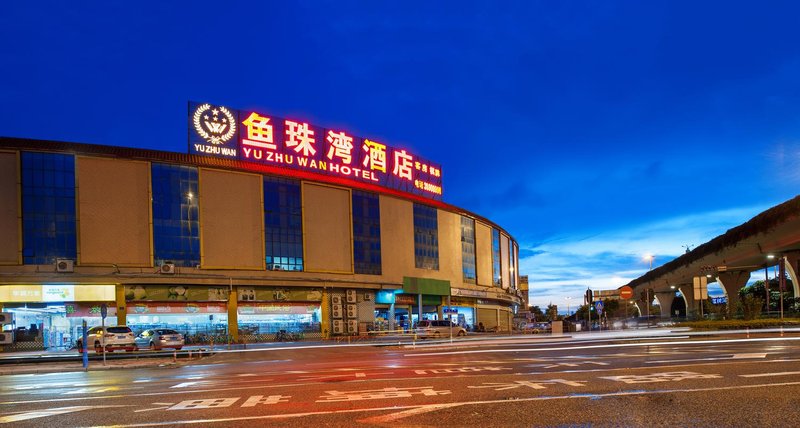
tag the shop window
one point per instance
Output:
(426, 237)
(366, 233)
(48, 207)
(497, 279)
(468, 264)
(283, 224)
(176, 229)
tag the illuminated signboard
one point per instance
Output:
(265, 139)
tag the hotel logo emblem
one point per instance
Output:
(216, 125)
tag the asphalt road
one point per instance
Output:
(674, 380)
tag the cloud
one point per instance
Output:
(566, 265)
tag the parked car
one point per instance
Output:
(438, 328)
(159, 338)
(112, 338)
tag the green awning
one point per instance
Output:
(434, 287)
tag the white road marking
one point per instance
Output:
(616, 345)
(391, 417)
(465, 403)
(738, 356)
(732, 357)
(49, 412)
(188, 384)
(770, 374)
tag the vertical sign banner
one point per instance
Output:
(261, 138)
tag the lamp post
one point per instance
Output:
(649, 258)
(766, 279)
(568, 299)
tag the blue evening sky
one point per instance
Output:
(593, 131)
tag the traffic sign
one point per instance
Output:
(104, 310)
(625, 292)
(599, 306)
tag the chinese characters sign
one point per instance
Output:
(265, 139)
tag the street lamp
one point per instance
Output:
(650, 257)
(568, 299)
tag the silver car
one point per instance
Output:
(159, 338)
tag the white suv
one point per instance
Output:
(438, 328)
(117, 337)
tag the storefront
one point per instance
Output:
(51, 316)
(267, 310)
(461, 311)
(195, 311)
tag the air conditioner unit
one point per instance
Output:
(336, 300)
(167, 269)
(351, 311)
(6, 337)
(351, 296)
(338, 327)
(65, 265)
(352, 326)
(367, 297)
(6, 318)
(336, 311)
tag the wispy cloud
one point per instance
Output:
(567, 264)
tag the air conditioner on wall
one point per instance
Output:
(336, 300)
(351, 311)
(167, 269)
(338, 327)
(351, 296)
(352, 326)
(336, 311)
(6, 318)
(367, 297)
(65, 265)
(6, 337)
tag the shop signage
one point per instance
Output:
(471, 293)
(276, 308)
(260, 138)
(32, 293)
(405, 299)
(462, 301)
(88, 309)
(176, 293)
(175, 308)
(265, 294)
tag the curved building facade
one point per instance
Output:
(232, 247)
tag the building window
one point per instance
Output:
(48, 208)
(366, 233)
(512, 262)
(497, 279)
(283, 224)
(176, 226)
(468, 265)
(426, 237)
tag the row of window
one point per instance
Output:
(49, 222)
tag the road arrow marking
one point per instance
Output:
(49, 412)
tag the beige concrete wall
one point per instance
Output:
(504, 264)
(10, 251)
(397, 237)
(327, 224)
(113, 212)
(449, 248)
(483, 249)
(231, 220)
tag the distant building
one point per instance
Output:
(523, 288)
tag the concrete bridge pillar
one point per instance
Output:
(665, 299)
(732, 282)
(687, 291)
(793, 267)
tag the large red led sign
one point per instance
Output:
(265, 139)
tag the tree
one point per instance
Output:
(537, 313)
